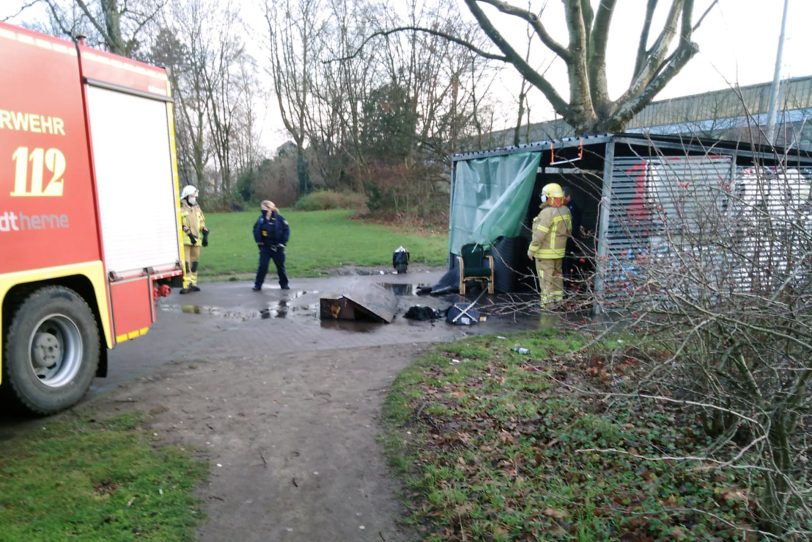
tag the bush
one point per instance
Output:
(382, 199)
(230, 201)
(415, 190)
(327, 199)
(724, 287)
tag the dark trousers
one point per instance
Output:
(266, 254)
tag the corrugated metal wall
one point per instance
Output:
(698, 224)
(726, 103)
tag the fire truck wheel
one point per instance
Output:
(52, 350)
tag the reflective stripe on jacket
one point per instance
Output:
(192, 221)
(551, 229)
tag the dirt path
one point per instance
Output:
(291, 440)
(284, 406)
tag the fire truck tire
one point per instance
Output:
(52, 350)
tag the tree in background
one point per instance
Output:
(225, 91)
(294, 28)
(589, 108)
(183, 61)
(214, 88)
(327, 71)
(389, 124)
(385, 115)
(247, 148)
(120, 27)
(421, 92)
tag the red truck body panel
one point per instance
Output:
(123, 72)
(60, 202)
(47, 204)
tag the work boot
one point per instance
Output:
(184, 291)
(285, 287)
(257, 288)
(194, 288)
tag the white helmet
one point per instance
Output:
(187, 191)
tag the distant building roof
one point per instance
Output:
(734, 113)
(727, 103)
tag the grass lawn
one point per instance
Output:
(319, 242)
(78, 478)
(496, 445)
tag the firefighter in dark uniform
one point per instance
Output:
(271, 233)
(573, 243)
(196, 234)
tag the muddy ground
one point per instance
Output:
(291, 440)
(284, 406)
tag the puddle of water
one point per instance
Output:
(403, 289)
(514, 308)
(267, 314)
(282, 308)
(276, 309)
(288, 294)
(190, 309)
(354, 271)
(296, 294)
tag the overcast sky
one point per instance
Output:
(738, 43)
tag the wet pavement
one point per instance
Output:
(228, 320)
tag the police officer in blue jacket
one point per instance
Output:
(271, 232)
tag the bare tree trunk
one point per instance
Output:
(293, 32)
(108, 21)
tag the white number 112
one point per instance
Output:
(40, 160)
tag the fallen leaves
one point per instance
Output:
(556, 513)
(501, 458)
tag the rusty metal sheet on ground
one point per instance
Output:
(361, 301)
(336, 308)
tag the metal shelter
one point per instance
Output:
(634, 192)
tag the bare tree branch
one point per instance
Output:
(23, 7)
(517, 61)
(533, 20)
(598, 39)
(431, 31)
(642, 44)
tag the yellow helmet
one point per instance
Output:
(552, 190)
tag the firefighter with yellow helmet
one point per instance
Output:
(551, 229)
(196, 234)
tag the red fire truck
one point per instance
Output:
(89, 218)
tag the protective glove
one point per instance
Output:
(193, 239)
(205, 238)
(259, 246)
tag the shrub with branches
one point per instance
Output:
(721, 282)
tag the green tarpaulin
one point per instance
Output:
(490, 198)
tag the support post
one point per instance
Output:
(604, 210)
